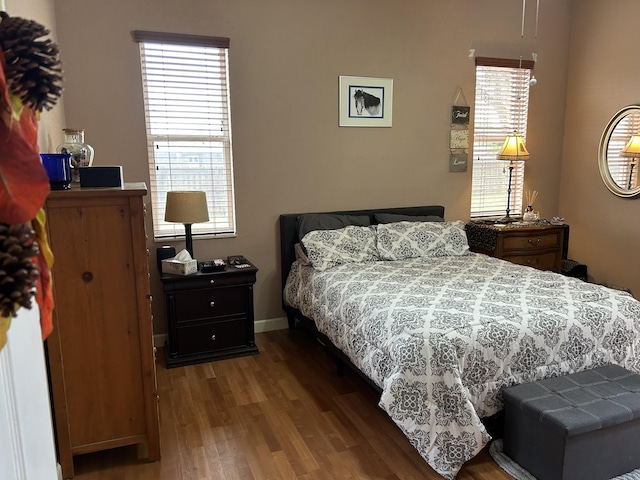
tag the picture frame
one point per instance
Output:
(365, 101)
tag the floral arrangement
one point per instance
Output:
(30, 81)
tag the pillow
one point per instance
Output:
(401, 240)
(328, 221)
(328, 248)
(394, 217)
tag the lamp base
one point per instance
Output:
(506, 219)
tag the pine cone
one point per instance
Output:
(33, 68)
(18, 273)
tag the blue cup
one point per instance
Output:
(58, 168)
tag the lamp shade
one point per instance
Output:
(513, 149)
(632, 148)
(186, 207)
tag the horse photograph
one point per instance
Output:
(366, 101)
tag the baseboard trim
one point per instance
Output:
(260, 326)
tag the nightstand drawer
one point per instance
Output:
(531, 242)
(209, 337)
(543, 261)
(213, 280)
(199, 304)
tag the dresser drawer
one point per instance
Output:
(540, 241)
(541, 261)
(199, 304)
(213, 336)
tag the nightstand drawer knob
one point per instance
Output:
(212, 304)
(534, 243)
(213, 337)
(211, 282)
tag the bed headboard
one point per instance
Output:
(289, 230)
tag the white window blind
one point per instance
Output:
(186, 99)
(619, 166)
(501, 106)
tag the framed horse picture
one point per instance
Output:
(366, 102)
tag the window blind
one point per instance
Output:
(186, 100)
(501, 106)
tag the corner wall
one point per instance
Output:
(603, 77)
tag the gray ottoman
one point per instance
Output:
(580, 426)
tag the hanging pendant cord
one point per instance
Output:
(535, 38)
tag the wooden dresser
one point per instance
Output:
(538, 245)
(100, 353)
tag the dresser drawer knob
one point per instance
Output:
(537, 241)
(213, 337)
(212, 304)
(211, 282)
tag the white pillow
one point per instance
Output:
(401, 240)
(328, 248)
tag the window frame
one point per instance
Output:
(193, 129)
(490, 176)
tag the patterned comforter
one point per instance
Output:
(442, 336)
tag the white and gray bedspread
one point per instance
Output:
(441, 336)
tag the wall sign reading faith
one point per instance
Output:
(460, 114)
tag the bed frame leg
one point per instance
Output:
(291, 320)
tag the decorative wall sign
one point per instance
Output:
(459, 139)
(458, 162)
(460, 115)
(459, 136)
(366, 101)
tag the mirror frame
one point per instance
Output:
(603, 163)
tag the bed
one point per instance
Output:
(438, 330)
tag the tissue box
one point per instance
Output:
(177, 267)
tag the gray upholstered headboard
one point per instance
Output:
(289, 230)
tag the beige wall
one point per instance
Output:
(603, 77)
(286, 57)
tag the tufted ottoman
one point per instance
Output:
(580, 426)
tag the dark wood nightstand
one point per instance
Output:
(537, 245)
(209, 315)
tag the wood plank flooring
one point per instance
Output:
(282, 414)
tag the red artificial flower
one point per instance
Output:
(24, 184)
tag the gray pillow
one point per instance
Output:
(394, 217)
(329, 221)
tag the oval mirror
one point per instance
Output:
(619, 152)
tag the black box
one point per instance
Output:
(101, 176)
(575, 427)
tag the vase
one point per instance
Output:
(529, 215)
(81, 153)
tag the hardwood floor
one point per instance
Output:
(282, 414)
